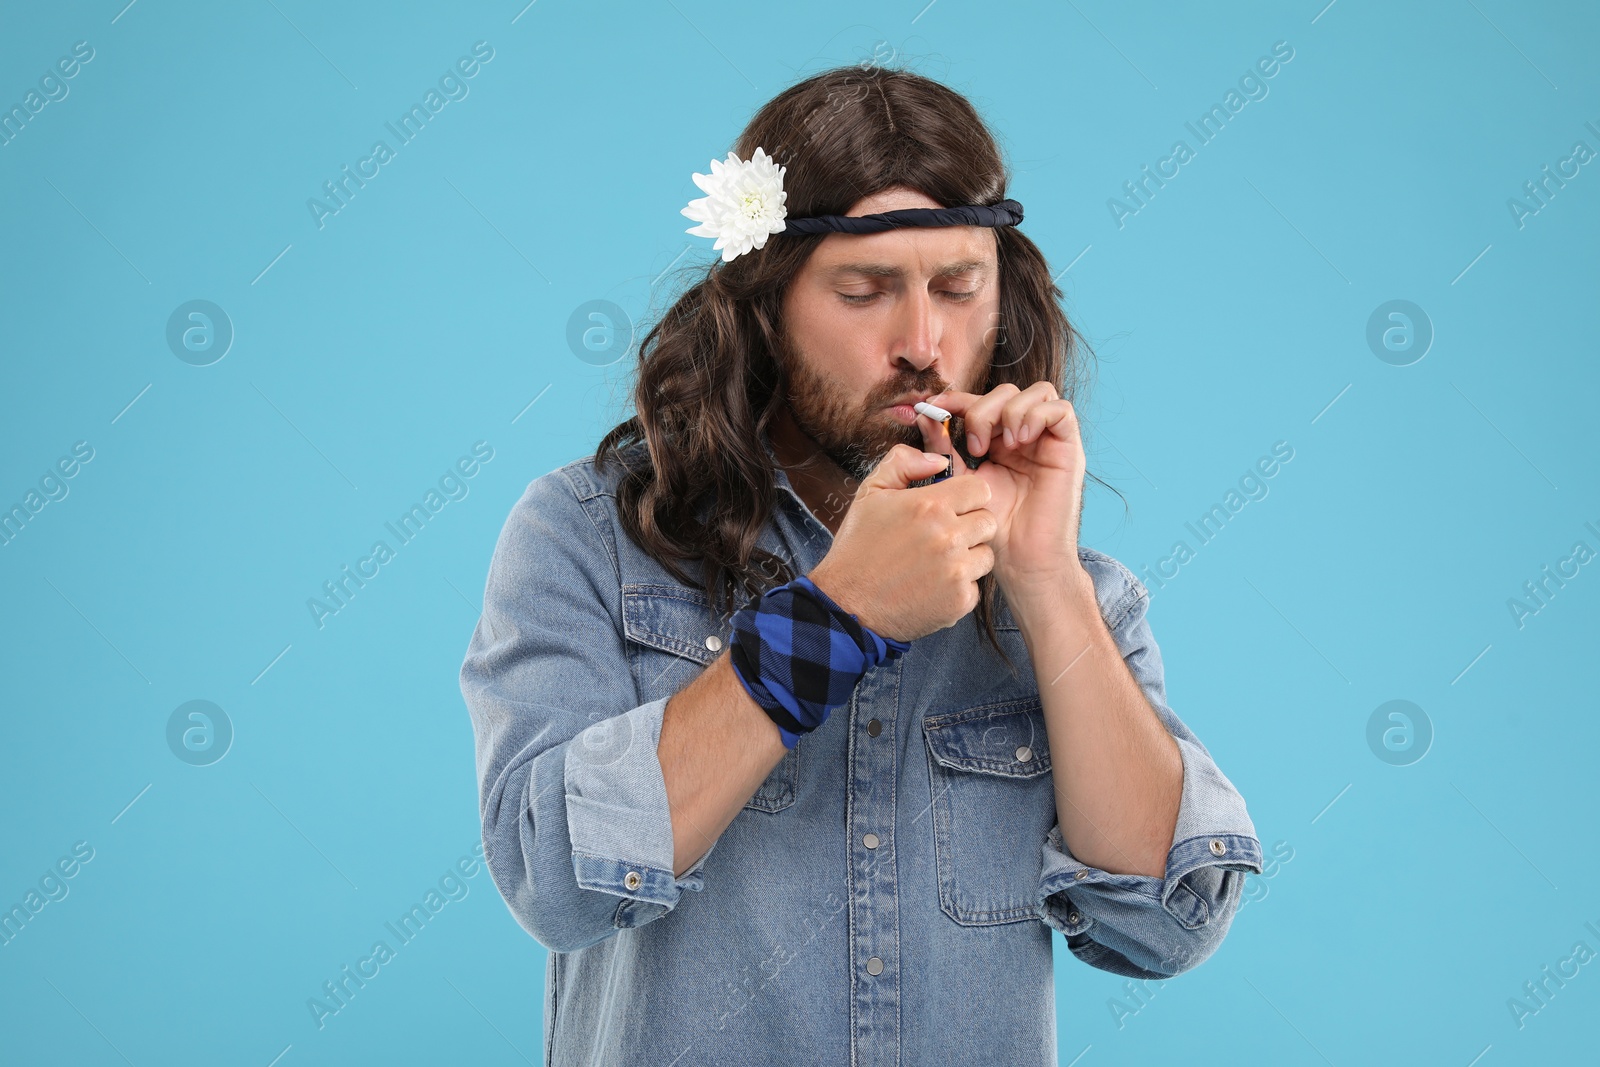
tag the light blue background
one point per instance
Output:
(371, 353)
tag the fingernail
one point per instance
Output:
(1006, 434)
(972, 443)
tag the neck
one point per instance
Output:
(817, 479)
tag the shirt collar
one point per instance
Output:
(781, 479)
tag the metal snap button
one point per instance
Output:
(1081, 875)
(714, 643)
(871, 840)
(874, 966)
(1024, 754)
(1072, 916)
(874, 728)
(632, 880)
(1217, 847)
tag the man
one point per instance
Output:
(878, 885)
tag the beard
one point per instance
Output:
(855, 435)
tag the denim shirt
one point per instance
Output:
(886, 897)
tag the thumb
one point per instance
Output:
(901, 466)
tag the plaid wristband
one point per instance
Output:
(799, 655)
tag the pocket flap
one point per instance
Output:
(678, 620)
(1005, 738)
(674, 619)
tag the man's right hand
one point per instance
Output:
(906, 562)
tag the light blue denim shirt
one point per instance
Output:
(887, 895)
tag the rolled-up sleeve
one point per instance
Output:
(1138, 925)
(576, 826)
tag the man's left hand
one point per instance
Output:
(1035, 470)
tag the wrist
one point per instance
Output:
(840, 592)
(786, 653)
(1069, 593)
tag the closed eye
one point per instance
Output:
(956, 296)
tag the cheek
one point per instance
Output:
(979, 337)
(839, 364)
(832, 341)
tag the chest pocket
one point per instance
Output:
(672, 636)
(993, 805)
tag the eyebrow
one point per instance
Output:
(889, 270)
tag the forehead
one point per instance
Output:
(914, 251)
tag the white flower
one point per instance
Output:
(744, 206)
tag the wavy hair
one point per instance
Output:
(709, 379)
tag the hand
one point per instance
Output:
(906, 562)
(1035, 473)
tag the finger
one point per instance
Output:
(1058, 417)
(981, 415)
(1014, 413)
(978, 526)
(981, 560)
(899, 467)
(954, 401)
(962, 495)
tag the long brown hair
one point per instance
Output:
(709, 380)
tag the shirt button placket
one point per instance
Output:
(873, 766)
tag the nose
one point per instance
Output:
(919, 326)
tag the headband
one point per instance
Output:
(745, 204)
(1004, 213)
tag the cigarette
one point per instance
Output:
(934, 412)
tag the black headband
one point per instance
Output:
(1004, 213)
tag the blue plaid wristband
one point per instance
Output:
(800, 655)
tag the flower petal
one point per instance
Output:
(744, 203)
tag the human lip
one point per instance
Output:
(904, 412)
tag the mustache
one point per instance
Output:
(928, 385)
